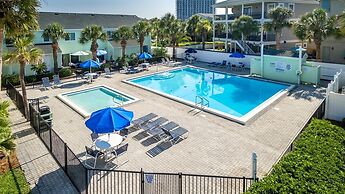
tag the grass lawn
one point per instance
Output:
(13, 181)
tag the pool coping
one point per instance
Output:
(82, 112)
(245, 119)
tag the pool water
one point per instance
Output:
(229, 94)
(94, 99)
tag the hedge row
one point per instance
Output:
(316, 165)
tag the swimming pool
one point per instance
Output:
(92, 99)
(234, 97)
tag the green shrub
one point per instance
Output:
(160, 52)
(316, 165)
(65, 72)
(39, 68)
(13, 79)
(31, 78)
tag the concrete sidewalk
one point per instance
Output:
(42, 172)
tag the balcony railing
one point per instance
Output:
(254, 15)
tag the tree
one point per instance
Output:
(192, 26)
(122, 35)
(342, 24)
(244, 25)
(177, 34)
(17, 17)
(165, 24)
(155, 29)
(318, 26)
(6, 140)
(140, 30)
(279, 20)
(24, 54)
(92, 33)
(54, 32)
(300, 31)
(203, 27)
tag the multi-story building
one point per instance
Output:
(186, 8)
(258, 9)
(73, 24)
(333, 49)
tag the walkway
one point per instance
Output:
(43, 174)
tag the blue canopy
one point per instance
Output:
(191, 50)
(144, 56)
(108, 120)
(237, 55)
(89, 63)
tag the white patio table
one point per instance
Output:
(108, 141)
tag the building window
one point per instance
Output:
(110, 35)
(280, 4)
(247, 10)
(291, 7)
(271, 6)
(46, 39)
(71, 36)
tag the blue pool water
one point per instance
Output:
(93, 99)
(230, 94)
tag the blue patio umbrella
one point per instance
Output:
(191, 50)
(108, 120)
(144, 56)
(237, 55)
(89, 64)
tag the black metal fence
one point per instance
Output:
(16, 97)
(124, 182)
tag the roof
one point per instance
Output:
(231, 3)
(81, 20)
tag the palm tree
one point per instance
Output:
(342, 24)
(155, 29)
(300, 31)
(192, 26)
(122, 35)
(54, 32)
(18, 17)
(92, 33)
(177, 34)
(140, 30)
(6, 140)
(203, 27)
(244, 25)
(279, 20)
(165, 24)
(24, 54)
(318, 26)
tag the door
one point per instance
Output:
(326, 53)
(247, 10)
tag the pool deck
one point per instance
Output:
(215, 146)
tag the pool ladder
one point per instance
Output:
(122, 100)
(201, 102)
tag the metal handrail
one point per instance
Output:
(202, 104)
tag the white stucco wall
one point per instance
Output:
(336, 106)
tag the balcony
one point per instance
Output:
(254, 15)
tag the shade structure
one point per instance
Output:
(80, 53)
(109, 120)
(144, 56)
(89, 64)
(101, 52)
(191, 50)
(237, 55)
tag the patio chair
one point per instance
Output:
(140, 121)
(92, 154)
(46, 83)
(155, 123)
(56, 81)
(107, 72)
(159, 132)
(119, 152)
(94, 136)
(178, 134)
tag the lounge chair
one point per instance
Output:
(159, 148)
(56, 81)
(93, 154)
(159, 132)
(155, 123)
(178, 134)
(46, 83)
(107, 72)
(140, 121)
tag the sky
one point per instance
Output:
(141, 8)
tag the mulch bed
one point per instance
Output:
(9, 162)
